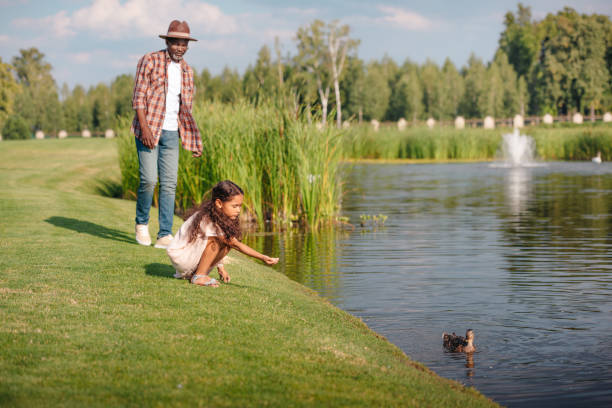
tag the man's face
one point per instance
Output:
(177, 48)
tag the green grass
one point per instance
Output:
(571, 142)
(91, 319)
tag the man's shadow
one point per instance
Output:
(90, 228)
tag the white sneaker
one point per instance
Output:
(142, 234)
(163, 242)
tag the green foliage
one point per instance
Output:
(9, 89)
(38, 104)
(15, 128)
(288, 169)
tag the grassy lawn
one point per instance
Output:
(89, 318)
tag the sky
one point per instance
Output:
(92, 41)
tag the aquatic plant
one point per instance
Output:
(578, 142)
(288, 168)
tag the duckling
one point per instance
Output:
(597, 159)
(452, 342)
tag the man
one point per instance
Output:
(163, 95)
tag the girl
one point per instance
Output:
(207, 236)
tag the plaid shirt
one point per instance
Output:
(150, 89)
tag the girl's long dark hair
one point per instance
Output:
(226, 227)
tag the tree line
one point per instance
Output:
(560, 65)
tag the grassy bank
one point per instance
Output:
(91, 319)
(287, 168)
(441, 144)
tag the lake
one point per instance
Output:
(520, 255)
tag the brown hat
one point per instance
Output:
(178, 29)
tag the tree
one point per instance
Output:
(38, 104)
(376, 91)
(430, 82)
(102, 107)
(475, 83)
(15, 128)
(121, 95)
(9, 88)
(311, 56)
(520, 40)
(338, 45)
(450, 91)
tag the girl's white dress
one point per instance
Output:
(185, 255)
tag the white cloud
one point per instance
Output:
(136, 18)
(80, 57)
(4, 39)
(58, 24)
(405, 19)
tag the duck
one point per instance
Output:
(459, 344)
(597, 159)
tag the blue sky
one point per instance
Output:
(91, 41)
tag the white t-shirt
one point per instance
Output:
(185, 255)
(173, 97)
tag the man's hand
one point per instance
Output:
(146, 137)
(196, 154)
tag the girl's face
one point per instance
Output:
(232, 207)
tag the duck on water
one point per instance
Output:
(459, 344)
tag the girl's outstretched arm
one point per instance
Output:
(247, 250)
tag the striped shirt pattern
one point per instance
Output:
(150, 89)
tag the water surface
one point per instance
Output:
(520, 255)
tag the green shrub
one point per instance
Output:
(15, 128)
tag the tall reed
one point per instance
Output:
(287, 168)
(552, 143)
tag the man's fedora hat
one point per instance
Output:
(178, 29)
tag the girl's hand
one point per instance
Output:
(269, 261)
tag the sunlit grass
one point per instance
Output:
(91, 319)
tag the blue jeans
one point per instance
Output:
(163, 157)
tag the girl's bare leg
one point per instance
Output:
(212, 255)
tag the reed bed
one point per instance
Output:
(362, 142)
(288, 169)
(552, 143)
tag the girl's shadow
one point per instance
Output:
(160, 270)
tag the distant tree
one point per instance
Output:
(312, 58)
(103, 112)
(376, 89)
(38, 104)
(339, 44)
(520, 40)
(430, 83)
(354, 92)
(15, 128)
(571, 73)
(121, 95)
(475, 75)
(450, 90)
(9, 88)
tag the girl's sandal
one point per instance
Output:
(212, 282)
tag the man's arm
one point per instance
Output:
(139, 104)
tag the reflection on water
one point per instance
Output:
(520, 255)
